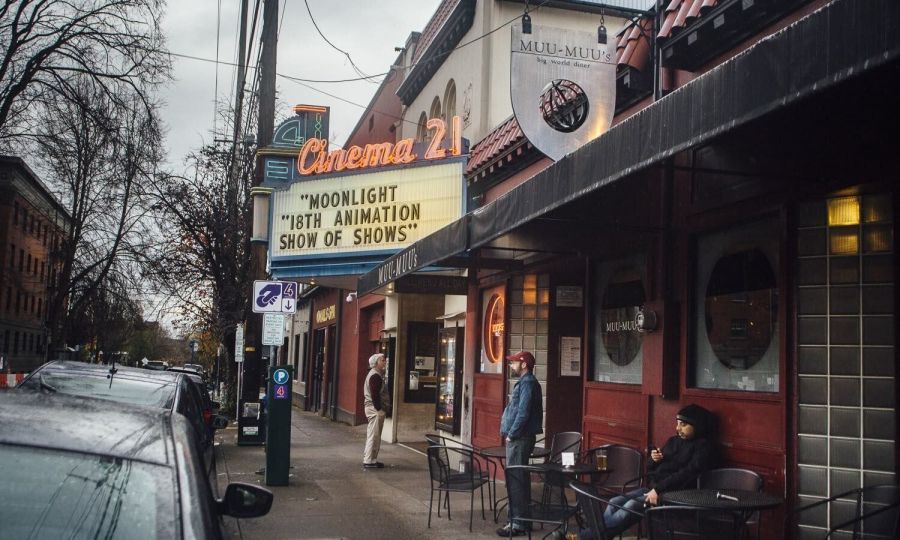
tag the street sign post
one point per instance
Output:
(274, 297)
(289, 297)
(273, 329)
(239, 343)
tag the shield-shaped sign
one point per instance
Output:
(563, 87)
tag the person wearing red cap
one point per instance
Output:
(521, 422)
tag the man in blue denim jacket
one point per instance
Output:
(522, 420)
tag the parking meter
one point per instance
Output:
(278, 425)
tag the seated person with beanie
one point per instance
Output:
(676, 466)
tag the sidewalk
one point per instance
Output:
(331, 496)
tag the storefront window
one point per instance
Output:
(617, 352)
(493, 329)
(421, 363)
(735, 320)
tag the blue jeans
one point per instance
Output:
(615, 517)
(518, 484)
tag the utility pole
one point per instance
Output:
(253, 367)
(239, 90)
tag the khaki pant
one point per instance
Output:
(373, 435)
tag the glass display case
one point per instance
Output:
(449, 377)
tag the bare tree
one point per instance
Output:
(107, 319)
(201, 261)
(100, 155)
(48, 45)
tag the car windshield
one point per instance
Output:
(154, 393)
(58, 494)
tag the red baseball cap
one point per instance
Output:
(522, 356)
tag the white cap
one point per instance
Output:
(374, 359)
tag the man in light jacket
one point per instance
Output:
(375, 404)
(522, 421)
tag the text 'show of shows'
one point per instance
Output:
(367, 211)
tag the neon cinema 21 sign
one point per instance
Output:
(315, 158)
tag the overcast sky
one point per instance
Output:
(367, 29)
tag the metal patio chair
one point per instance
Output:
(626, 467)
(592, 506)
(444, 480)
(484, 466)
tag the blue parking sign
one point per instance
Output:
(280, 376)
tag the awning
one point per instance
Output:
(440, 246)
(838, 42)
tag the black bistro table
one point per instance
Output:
(737, 500)
(740, 503)
(498, 455)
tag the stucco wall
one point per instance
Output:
(481, 69)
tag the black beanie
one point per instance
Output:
(696, 416)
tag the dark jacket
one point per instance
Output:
(524, 414)
(683, 461)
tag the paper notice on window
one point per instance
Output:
(570, 356)
(568, 459)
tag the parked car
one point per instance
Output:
(161, 389)
(158, 365)
(199, 368)
(77, 467)
(209, 406)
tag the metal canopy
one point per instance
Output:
(839, 42)
(442, 246)
(834, 44)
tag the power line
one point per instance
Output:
(368, 77)
(335, 47)
(304, 82)
(254, 67)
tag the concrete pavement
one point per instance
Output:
(331, 496)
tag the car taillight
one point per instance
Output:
(207, 416)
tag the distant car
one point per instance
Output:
(209, 406)
(77, 467)
(158, 365)
(161, 389)
(199, 368)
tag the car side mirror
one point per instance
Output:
(245, 501)
(216, 405)
(219, 422)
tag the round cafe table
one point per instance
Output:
(740, 503)
(723, 499)
(498, 455)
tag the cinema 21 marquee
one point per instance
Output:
(374, 199)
